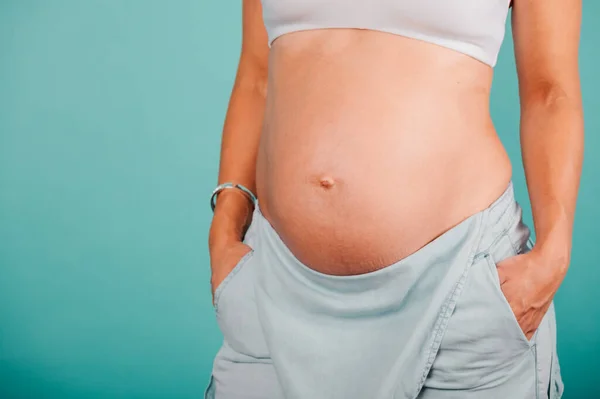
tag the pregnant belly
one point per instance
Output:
(363, 211)
(363, 161)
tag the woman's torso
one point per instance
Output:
(373, 144)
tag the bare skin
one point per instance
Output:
(374, 147)
(546, 47)
(367, 145)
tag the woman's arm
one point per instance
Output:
(241, 131)
(546, 36)
(239, 146)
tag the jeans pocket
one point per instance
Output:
(493, 269)
(221, 287)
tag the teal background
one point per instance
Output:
(110, 120)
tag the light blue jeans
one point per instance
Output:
(434, 325)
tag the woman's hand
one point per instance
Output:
(529, 282)
(222, 261)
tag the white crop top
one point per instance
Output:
(472, 27)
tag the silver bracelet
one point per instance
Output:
(225, 186)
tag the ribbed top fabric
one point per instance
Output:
(472, 27)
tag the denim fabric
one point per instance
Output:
(434, 325)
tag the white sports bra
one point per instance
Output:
(472, 27)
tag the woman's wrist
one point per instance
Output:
(554, 250)
(231, 218)
(231, 186)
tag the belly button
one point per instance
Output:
(326, 182)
